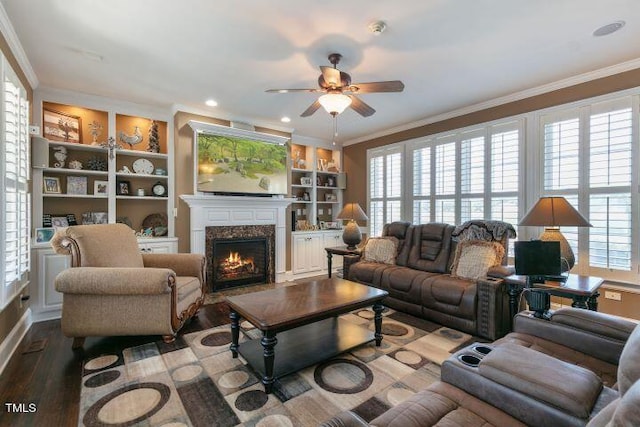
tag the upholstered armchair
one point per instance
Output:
(114, 289)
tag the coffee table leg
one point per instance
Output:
(377, 319)
(235, 333)
(329, 256)
(580, 302)
(268, 342)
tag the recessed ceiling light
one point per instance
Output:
(211, 103)
(285, 119)
(605, 30)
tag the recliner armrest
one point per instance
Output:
(596, 334)
(501, 271)
(345, 419)
(115, 281)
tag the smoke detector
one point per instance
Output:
(377, 27)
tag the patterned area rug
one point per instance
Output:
(196, 382)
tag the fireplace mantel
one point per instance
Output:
(212, 210)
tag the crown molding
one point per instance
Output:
(223, 115)
(6, 28)
(517, 96)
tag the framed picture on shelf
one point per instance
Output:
(99, 217)
(305, 180)
(59, 126)
(331, 181)
(330, 197)
(123, 188)
(43, 235)
(59, 222)
(76, 185)
(100, 188)
(51, 185)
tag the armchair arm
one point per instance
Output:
(115, 281)
(182, 264)
(493, 319)
(597, 334)
(345, 419)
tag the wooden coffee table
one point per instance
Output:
(305, 317)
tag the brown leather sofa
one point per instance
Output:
(420, 284)
(553, 372)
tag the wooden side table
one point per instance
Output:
(583, 290)
(339, 250)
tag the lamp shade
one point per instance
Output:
(352, 211)
(554, 212)
(334, 103)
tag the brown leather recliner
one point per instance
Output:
(514, 385)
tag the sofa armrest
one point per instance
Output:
(345, 419)
(493, 319)
(192, 265)
(347, 262)
(115, 281)
(501, 271)
(596, 334)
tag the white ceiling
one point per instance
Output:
(449, 54)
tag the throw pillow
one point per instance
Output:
(474, 257)
(381, 249)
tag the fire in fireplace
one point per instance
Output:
(239, 262)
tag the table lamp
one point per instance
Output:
(352, 235)
(552, 213)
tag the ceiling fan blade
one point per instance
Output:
(331, 76)
(292, 90)
(312, 109)
(361, 107)
(390, 86)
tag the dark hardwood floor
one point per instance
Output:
(50, 378)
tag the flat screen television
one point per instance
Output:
(537, 258)
(237, 161)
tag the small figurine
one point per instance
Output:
(60, 155)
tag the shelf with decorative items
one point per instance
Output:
(100, 161)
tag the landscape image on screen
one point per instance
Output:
(228, 164)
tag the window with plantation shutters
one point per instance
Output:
(421, 185)
(15, 197)
(587, 157)
(385, 189)
(472, 171)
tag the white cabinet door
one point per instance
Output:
(159, 245)
(316, 255)
(47, 302)
(307, 253)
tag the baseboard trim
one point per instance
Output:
(13, 340)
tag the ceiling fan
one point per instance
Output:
(340, 93)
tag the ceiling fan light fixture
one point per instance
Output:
(334, 103)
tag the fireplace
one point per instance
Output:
(239, 255)
(239, 262)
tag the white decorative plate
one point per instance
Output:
(143, 166)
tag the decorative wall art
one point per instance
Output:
(59, 126)
(123, 188)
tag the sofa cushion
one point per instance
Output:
(450, 295)
(474, 257)
(381, 249)
(402, 231)
(367, 272)
(544, 378)
(430, 247)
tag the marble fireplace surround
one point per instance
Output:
(240, 232)
(214, 210)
